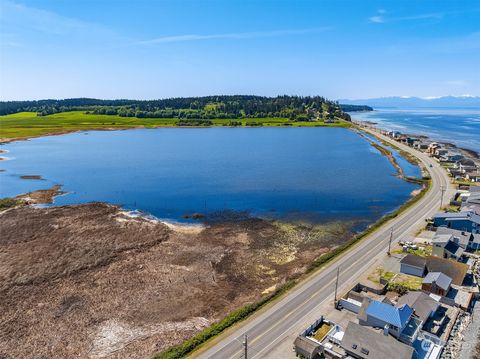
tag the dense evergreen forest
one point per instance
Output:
(209, 107)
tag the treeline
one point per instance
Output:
(354, 108)
(208, 107)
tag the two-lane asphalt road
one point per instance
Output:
(277, 325)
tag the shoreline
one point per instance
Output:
(470, 152)
(317, 124)
(282, 288)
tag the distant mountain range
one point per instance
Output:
(417, 102)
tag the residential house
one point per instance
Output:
(437, 283)
(466, 240)
(419, 266)
(473, 176)
(464, 221)
(453, 269)
(451, 156)
(413, 265)
(386, 316)
(362, 343)
(422, 304)
(432, 148)
(465, 165)
(473, 198)
(445, 246)
(307, 347)
(439, 152)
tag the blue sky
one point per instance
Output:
(156, 49)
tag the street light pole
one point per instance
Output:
(442, 191)
(390, 242)
(245, 345)
(336, 288)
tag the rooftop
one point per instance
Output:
(454, 248)
(390, 314)
(451, 268)
(366, 343)
(414, 260)
(463, 237)
(422, 304)
(441, 280)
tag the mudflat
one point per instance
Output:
(91, 281)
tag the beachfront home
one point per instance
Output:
(421, 145)
(419, 266)
(451, 156)
(424, 307)
(465, 165)
(306, 347)
(439, 152)
(466, 240)
(437, 283)
(362, 343)
(463, 221)
(383, 315)
(445, 246)
(432, 148)
(473, 176)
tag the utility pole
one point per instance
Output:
(390, 241)
(442, 190)
(336, 287)
(245, 345)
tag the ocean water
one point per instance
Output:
(460, 127)
(311, 174)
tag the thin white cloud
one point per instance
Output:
(381, 18)
(231, 36)
(376, 19)
(21, 17)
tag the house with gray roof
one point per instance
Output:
(363, 343)
(413, 265)
(422, 304)
(437, 283)
(307, 347)
(462, 238)
(451, 156)
(473, 176)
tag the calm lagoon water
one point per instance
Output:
(460, 127)
(312, 174)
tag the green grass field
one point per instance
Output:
(28, 124)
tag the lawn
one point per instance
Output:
(422, 251)
(380, 273)
(28, 124)
(409, 282)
